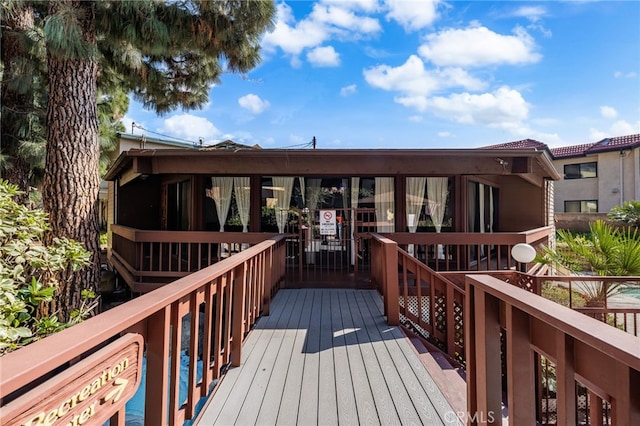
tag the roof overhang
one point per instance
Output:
(532, 165)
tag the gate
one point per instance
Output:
(329, 247)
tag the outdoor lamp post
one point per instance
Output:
(523, 254)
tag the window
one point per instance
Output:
(581, 206)
(581, 170)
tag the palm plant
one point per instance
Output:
(606, 251)
(628, 212)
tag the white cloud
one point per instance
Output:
(479, 46)
(596, 135)
(364, 5)
(415, 82)
(416, 118)
(324, 57)
(188, 126)
(348, 90)
(253, 103)
(292, 38)
(445, 134)
(504, 108)
(340, 16)
(532, 13)
(412, 15)
(620, 74)
(326, 21)
(608, 112)
(622, 128)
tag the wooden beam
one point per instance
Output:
(532, 178)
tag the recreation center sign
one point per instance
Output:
(89, 392)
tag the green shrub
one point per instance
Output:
(26, 264)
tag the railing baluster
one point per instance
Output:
(157, 380)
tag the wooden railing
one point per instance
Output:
(150, 259)
(507, 323)
(213, 309)
(435, 306)
(466, 251)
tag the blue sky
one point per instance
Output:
(427, 74)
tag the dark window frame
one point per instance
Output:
(580, 170)
(582, 206)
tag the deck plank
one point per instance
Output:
(365, 404)
(290, 400)
(327, 356)
(285, 363)
(228, 400)
(327, 403)
(347, 411)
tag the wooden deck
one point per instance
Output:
(323, 357)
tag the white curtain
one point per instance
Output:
(355, 191)
(221, 187)
(437, 193)
(301, 182)
(242, 188)
(414, 202)
(384, 204)
(313, 193)
(282, 187)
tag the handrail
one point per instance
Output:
(164, 236)
(602, 358)
(245, 282)
(148, 259)
(472, 238)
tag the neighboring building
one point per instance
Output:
(595, 177)
(598, 176)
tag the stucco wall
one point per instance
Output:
(618, 180)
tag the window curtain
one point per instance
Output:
(283, 185)
(355, 191)
(313, 193)
(437, 193)
(221, 187)
(414, 202)
(384, 204)
(301, 182)
(242, 188)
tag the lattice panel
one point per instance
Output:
(412, 307)
(458, 319)
(440, 314)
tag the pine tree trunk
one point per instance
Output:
(72, 181)
(15, 106)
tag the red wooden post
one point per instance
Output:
(469, 346)
(565, 379)
(239, 294)
(391, 292)
(520, 369)
(626, 403)
(488, 372)
(596, 413)
(157, 381)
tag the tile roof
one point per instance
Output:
(570, 151)
(608, 144)
(522, 144)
